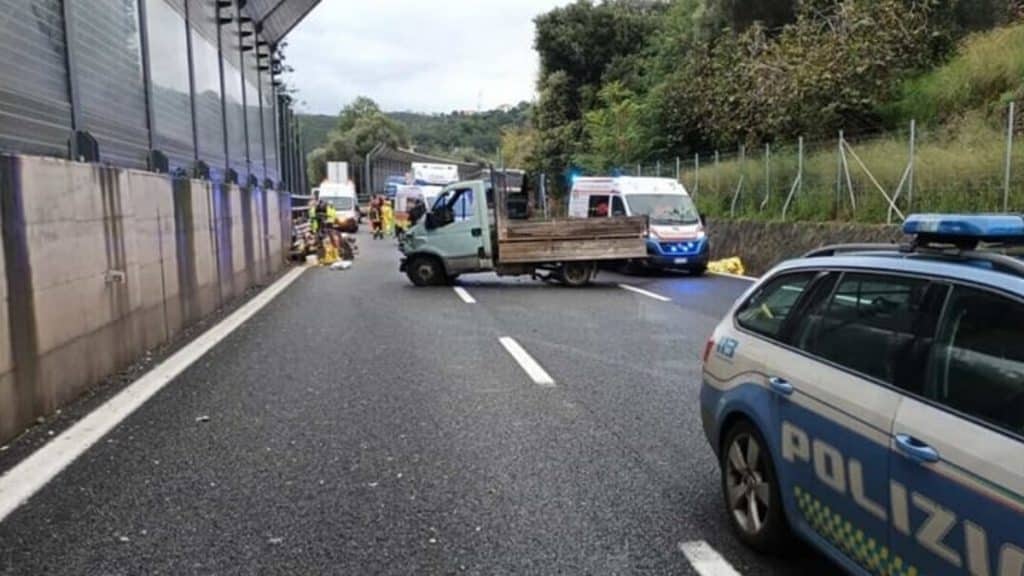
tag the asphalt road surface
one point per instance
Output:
(359, 425)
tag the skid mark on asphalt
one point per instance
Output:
(465, 295)
(643, 292)
(705, 560)
(527, 363)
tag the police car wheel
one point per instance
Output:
(751, 490)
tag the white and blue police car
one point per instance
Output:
(870, 400)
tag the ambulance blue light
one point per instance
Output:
(993, 227)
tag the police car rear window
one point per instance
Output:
(977, 362)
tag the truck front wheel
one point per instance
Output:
(425, 271)
(576, 274)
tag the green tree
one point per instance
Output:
(518, 146)
(559, 131)
(362, 126)
(614, 132)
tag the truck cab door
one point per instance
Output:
(459, 234)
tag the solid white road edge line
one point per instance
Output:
(705, 560)
(30, 475)
(736, 276)
(643, 292)
(465, 295)
(527, 363)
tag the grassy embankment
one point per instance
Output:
(961, 110)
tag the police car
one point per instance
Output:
(870, 400)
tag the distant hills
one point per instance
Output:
(467, 136)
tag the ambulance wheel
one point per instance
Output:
(425, 271)
(750, 488)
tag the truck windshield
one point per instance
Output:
(664, 209)
(343, 203)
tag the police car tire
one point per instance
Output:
(775, 536)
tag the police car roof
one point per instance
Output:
(903, 263)
(942, 245)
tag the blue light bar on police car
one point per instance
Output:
(982, 227)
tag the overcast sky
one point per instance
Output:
(422, 56)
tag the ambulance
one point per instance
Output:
(677, 239)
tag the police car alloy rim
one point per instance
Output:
(746, 484)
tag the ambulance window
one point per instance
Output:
(618, 208)
(977, 362)
(866, 325)
(767, 310)
(598, 207)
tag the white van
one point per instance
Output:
(677, 240)
(342, 196)
(404, 194)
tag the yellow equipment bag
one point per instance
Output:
(728, 266)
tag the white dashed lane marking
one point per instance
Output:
(24, 480)
(705, 560)
(527, 363)
(465, 295)
(643, 292)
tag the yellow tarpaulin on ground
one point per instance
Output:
(727, 266)
(330, 254)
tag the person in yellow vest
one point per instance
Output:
(388, 218)
(332, 216)
(314, 223)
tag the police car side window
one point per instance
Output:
(866, 325)
(767, 310)
(977, 362)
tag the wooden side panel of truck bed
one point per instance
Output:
(571, 239)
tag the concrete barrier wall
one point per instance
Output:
(101, 264)
(762, 245)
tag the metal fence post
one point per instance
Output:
(739, 185)
(1009, 157)
(800, 166)
(798, 183)
(679, 173)
(639, 170)
(147, 78)
(696, 174)
(190, 53)
(74, 93)
(767, 176)
(718, 174)
(658, 169)
(913, 166)
(839, 176)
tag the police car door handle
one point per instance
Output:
(916, 450)
(781, 386)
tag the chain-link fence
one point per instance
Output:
(975, 167)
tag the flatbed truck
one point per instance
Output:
(463, 233)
